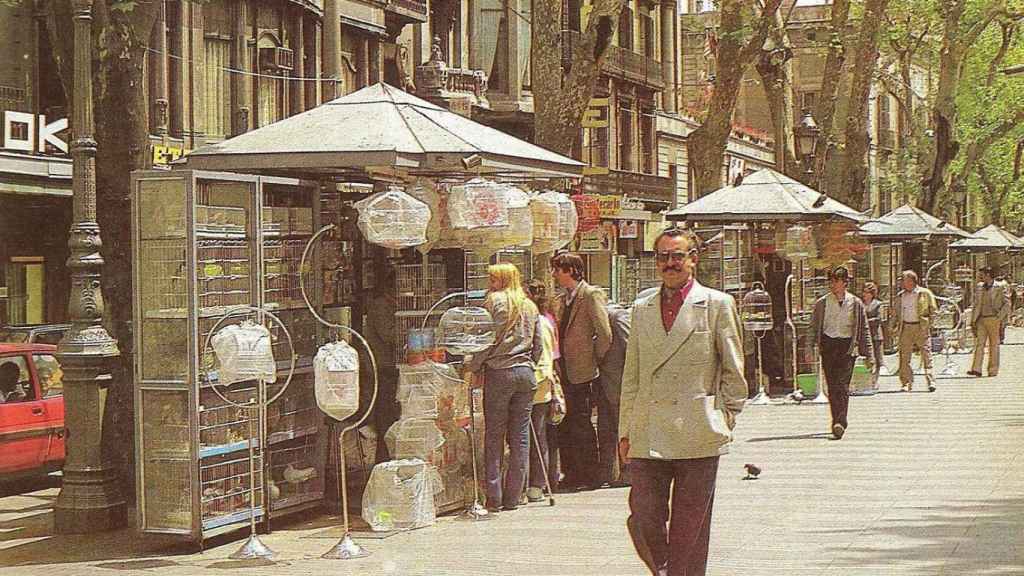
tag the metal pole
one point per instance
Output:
(90, 499)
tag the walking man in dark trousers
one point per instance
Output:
(839, 329)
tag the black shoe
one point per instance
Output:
(838, 430)
(973, 373)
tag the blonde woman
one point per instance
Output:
(507, 368)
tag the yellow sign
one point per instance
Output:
(164, 155)
(596, 114)
(592, 170)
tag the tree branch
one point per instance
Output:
(1008, 28)
(764, 25)
(994, 10)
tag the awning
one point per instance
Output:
(909, 223)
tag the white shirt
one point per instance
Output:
(838, 321)
(909, 303)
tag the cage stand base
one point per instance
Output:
(346, 549)
(253, 548)
(476, 513)
(761, 399)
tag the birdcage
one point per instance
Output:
(756, 310)
(419, 387)
(393, 219)
(800, 242)
(554, 221)
(466, 330)
(953, 293)
(520, 218)
(336, 379)
(478, 203)
(414, 438)
(945, 317)
(963, 274)
(244, 352)
(400, 495)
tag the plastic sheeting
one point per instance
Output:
(466, 330)
(414, 438)
(478, 203)
(400, 495)
(244, 352)
(336, 379)
(554, 221)
(393, 219)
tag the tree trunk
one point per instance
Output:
(853, 173)
(561, 97)
(706, 145)
(832, 77)
(775, 67)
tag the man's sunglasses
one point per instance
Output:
(675, 256)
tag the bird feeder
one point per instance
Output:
(478, 203)
(244, 352)
(466, 330)
(756, 310)
(800, 242)
(336, 379)
(393, 219)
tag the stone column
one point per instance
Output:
(160, 122)
(241, 84)
(332, 50)
(668, 56)
(89, 499)
(299, 46)
(515, 73)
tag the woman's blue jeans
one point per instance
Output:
(508, 397)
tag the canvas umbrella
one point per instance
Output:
(909, 223)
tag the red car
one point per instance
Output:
(31, 410)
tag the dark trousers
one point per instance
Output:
(678, 544)
(577, 441)
(508, 397)
(607, 399)
(540, 416)
(838, 367)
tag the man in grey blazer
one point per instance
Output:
(607, 394)
(990, 309)
(839, 329)
(584, 336)
(682, 388)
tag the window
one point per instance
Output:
(218, 87)
(626, 136)
(626, 28)
(15, 383)
(271, 86)
(647, 148)
(572, 18)
(51, 377)
(649, 36)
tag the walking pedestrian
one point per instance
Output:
(991, 309)
(873, 309)
(584, 335)
(607, 393)
(682, 388)
(912, 313)
(507, 370)
(1001, 281)
(839, 330)
(548, 400)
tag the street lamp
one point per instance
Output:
(806, 133)
(89, 498)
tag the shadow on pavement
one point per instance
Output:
(814, 436)
(948, 535)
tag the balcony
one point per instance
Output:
(409, 10)
(620, 63)
(458, 89)
(646, 187)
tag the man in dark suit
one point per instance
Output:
(584, 336)
(606, 394)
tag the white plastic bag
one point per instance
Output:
(393, 219)
(400, 495)
(336, 379)
(244, 352)
(478, 203)
(414, 438)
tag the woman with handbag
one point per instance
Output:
(506, 371)
(548, 400)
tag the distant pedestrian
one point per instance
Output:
(507, 370)
(584, 335)
(912, 313)
(607, 394)
(548, 400)
(873, 309)
(682, 388)
(991, 308)
(1008, 291)
(839, 330)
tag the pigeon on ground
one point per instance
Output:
(752, 472)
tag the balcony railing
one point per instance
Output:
(414, 10)
(620, 62)
(647, 187)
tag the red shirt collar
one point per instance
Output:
(677, 294)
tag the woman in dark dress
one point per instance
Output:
(873, 309)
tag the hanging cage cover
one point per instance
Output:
(400, 495)
(336, 379)
(244, 352)
(478, 203)
(466, 330)
(393, 219)
(554, 221)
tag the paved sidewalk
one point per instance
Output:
(922, 484)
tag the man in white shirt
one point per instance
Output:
(912, 322)
(839, 330)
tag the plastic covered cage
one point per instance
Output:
(466, 330)
(414, 438)
(244, 352)
(554, 221)
(800, 242)
(478, 203)
(756, 310)
(393, 219)
(336, 379)
(400, 495)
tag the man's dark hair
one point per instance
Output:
(537, 290)
(9, 374)
(839, 273)
(569, 262)
(676, 232)
(987, 270)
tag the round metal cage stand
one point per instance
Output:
(761, 398)
(346, 548)
(951, 367)
(254, 547)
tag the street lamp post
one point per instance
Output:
(89, 500)
(806, 133)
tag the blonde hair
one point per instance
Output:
(510, 282)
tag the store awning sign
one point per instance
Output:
(20, 132)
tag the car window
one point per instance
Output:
(13, 336)
(51, 377)
(48, 337)
(15, 382)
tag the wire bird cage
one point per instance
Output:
(945, 317)
(478, 203)
(400, 495)
(415, 438)
(244, 353)
(953, 293)
(883, 311)
(336, 379)
(466, 330)
(963, 274)
(554, 221)
(393, 219)
(800, 242)
(756, 310)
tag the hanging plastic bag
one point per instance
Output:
(336, 379)
(244, 352)
(393, 219)
(478, 203)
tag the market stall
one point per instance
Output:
(773, 229)
(228, 227)
(991, 246)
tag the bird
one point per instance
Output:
(752, 472)
(296, 475)
(797, 396)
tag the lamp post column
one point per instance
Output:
(89, 499)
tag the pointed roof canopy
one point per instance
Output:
(765, 195)
(990, 238)
(380, 127)
(909, 223)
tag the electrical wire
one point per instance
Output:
(242, 72)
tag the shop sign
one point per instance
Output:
(629, 229)
(164, 155)
(599, 239)
(20, 132)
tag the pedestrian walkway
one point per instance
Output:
(922, 484)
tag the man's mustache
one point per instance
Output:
(676, 268)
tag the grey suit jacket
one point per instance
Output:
(681, 390)
(613, 362)
(588, 335)
(861, 341)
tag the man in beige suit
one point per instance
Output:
(912, 312)
(682, 388)
(991, 308)
(584, 337)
